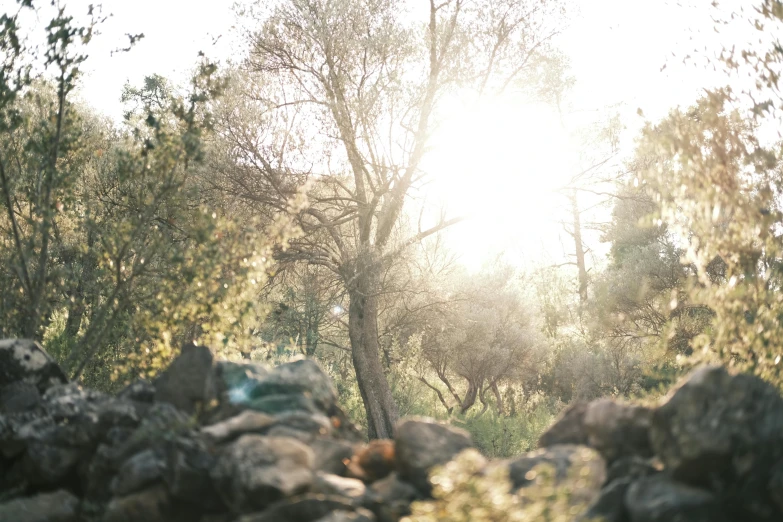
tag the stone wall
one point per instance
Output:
(214, 441)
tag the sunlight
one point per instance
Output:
(500, 164)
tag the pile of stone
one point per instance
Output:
(215, 441)
(711, 452)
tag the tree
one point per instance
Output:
(106, 251)
(345, 96)
(482, 338)
(719, 188)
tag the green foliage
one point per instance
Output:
(504, 436)
(467, 490)
(110, 253)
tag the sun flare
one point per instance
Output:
(500, 164)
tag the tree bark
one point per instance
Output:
(579, 247)
(376, 394)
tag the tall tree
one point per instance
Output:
(346, 95)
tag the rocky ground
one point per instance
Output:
(214, 441)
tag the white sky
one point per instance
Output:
(499, 164)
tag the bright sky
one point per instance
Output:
(500, 164)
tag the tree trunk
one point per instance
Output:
(580, 252)
(470, 397)
(363, 331)
(499, 399)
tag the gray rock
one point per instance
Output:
(188, 382)
(314, 424)
(139, 391)
(304, 377)
(609, 505)
(421, 444)
(307, 508)
(149, 505)
(775, 486)
(189, 463)
(19, 396)
(390, 498)
(657, 499)
(332, 455)
(48, 465)
(296, 386)
(632, 467)
(162, 422)
(334, 485)
(723, 432)
(360, 515)
(567, 429)
(138, 472)
(23, 360)
(248, 421)
(255, 471)
(59, 506)
(618, 430)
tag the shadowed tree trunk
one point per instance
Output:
(363, 331)
(579, 247)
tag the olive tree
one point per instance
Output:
(343, 97)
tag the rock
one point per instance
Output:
(58, 506)
(332, 455)
(308, 423)
(609, 505)
(421, 444)
(238, 378)
(657, 499)
(373, 461)
(360, 515)
(390, 498)
(632, 467)
(334, 485)
(775, 486)
(567, 429)
(140, 391)
(138, 472)
(255, 471)
(23, 360)
(162, 422)
(248, 421)
(299, 377)
(150, 505)
(307, 508)
(723, 432)
(188, 382)
(49, 465)
(296, 386)
(281, 403)
(189, 463)
(618, 430)
(19, 396)
(580, 463)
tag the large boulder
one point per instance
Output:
(617, 430)
(307, 508)
(296, 386)
(421, 444)
(658, 499)
(58, 506)
(188, 383)
(23, 360)
(255, 471)
(149, 505)
(567, 429)
(723, 432)
(138, 472)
